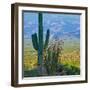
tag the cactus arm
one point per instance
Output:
(35, 41)
(47, 39)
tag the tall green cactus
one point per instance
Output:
(38, 43)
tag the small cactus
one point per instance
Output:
(51, 62)
(52, 59)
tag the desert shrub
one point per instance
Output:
(68, 70)
(51, 57)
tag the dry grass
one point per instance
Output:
(30, 60)
(72, 58)
(69, 58)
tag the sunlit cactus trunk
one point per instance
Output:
(38, 42)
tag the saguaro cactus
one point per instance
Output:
(38, 42)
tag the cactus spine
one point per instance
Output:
(38, 43)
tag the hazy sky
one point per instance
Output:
(60, 25)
